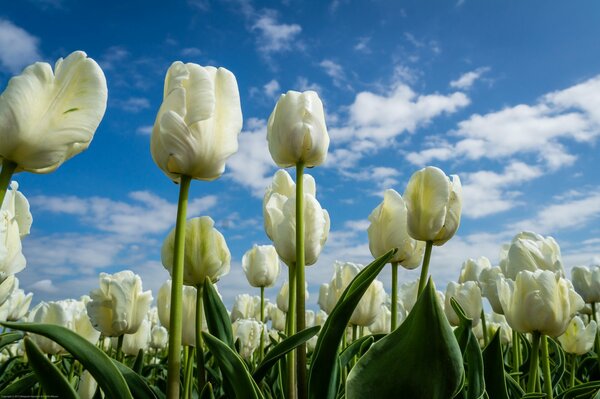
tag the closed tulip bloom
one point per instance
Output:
(47, 117)
(434, 204)
(16, 306)
(586, 282)
(198, 123)
(248, 332)
(87, 386)
(296, 130)
(261, 265)
(283, 296)
(280, 221)
(494, 322)
(159, 337)
(8, 285)
(388, 230)
(468, 296)
(578, 339)
(163, 302)
(472, 268)
(132, 343)
(531, 251)
(119, 305)
(323, 294)
(383, 322)
(277, 317)
(246, 307)
(539, 301)
(15, 223)
(488, 282)
(343, 273)
(206, 252)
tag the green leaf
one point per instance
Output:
(586, 390)
(97, 362)
(493, 362)
(19, 387)
(280, 350)
(233, 368)
(139, 361)
(421, 359)
(558, 360)
(355, 348)
(323, 377)
(217, 317)
(9, 338)
(52, 380)
(136, 383)
(471, 352)
(207, 392)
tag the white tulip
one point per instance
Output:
(87, 386)
(47, 117)
(488, 281)
(531, 251)
(132, 343)
(198, 123)
(434, 204)
(248, 331)
(8, 285)
(468, 296)
(261, 265)
(578, 339)
(539, 301)
(119, 305)
(494, 322)
(296, 130)
(206, 252)
(586, 282)
(283, 296)
(383, 322)
(277, 317)
(323, 300)
(246, 307)
(471, 269)
(388, 230)
(16, 306)
(163, 302)
(159, 337)
(279, 210)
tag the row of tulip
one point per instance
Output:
(435, 340)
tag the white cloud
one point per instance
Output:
(274, 36)
(43, 286)
(362, 45)
(302, 84)
(252, 166)
(191, 52)
(272, 88)
(18, 48)
(112, 57)
(335, 72)
(466, 80)
(132, 104)
(144, 130)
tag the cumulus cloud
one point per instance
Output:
(274, 36)
(466, 80)
(335, 72)
(18, 48)
(132, 104)
(272, 88)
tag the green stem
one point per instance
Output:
(300, 263)
(8, 169)
(573, 369)
(425, 268)
(546, 368)
(394, 306)
(119, 354)
(597, 338)
(291, 330)
(189, 366)
(175, 320)
(354, 338)
(262, 320)
(199, 351)
(534, 362)
(516, 364)
(484, 327)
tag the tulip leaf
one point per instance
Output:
(356, 348)
(586, 390)
(493, 369)
(423, 346)
(52, 380)
(558, 360)
(207, 392)
(471, 352)
(137, 384)
(323, 377)
(233, 368)
(217, 317)
(93, 359)
(20, 386)
(281, 349)
(9, 338)
(139, 361)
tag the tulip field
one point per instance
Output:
(519, 329)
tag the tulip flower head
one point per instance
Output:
(531, 251)
(283, 295)
(47, 117)
(488, 282)
(132, 343)
(163, 302)
(296, 130)
(261, 265)
(578, 338)
(206, 252)
(119, 305)
(388, 230)
(434, 204)
(586, 282)
(471, 269)
(468, 296)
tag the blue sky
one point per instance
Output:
(504, 94)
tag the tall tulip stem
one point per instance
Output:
(394, 322)
(546, 368)
(199, 351)
(119, 354)
(262, 320)
(8, 168)
(290, 325)
(597, 338)
(300, 263)
(425, 267)
(534, 362)
(484, 327)
(175, 317)
(516, 352)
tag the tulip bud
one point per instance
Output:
(578, 339)
(468, 296)
(15, 223)
(494, 322)
(261, 265)
(246, 307)
(277, 317)
(198, 123)
(132, 343)
(323, 293)
(206, 252)
(488, 281)
(531, 251)
(539, 301)
(248, 331)
(119, 305)
(159, 337)
(87, 386)
(586, 282)
(284, 293)
(388, 230)
(472, 268)
(163, 301)
(434, 204)
(47, 117)
(296, 130)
